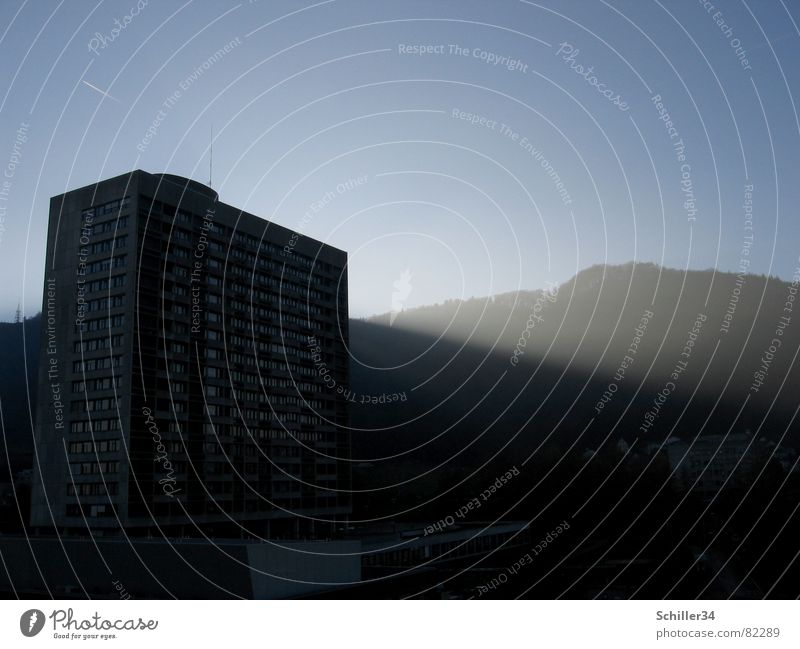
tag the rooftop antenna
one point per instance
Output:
(211, 157)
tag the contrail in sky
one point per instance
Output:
(102, 92)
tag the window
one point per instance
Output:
(104, 284)
(176, 368)
(104, 303)
(94, 344)
(92, 385)
(92, 489)
(94, 468)
(103, 265)
(94, 405)
(100, 323)
(106, 208)
(108, 226)
(92, 364)
(96, 426)
(214, 391)
(98, 446)
(108, 245)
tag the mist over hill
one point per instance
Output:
(582, 364)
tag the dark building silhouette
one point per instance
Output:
(192, 362)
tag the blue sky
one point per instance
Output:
(313, 95)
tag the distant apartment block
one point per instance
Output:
(180, 389)
(709, 462)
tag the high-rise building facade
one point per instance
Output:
(193, 364)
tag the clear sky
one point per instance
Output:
(353, 121)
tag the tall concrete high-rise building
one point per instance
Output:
(193, 364)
